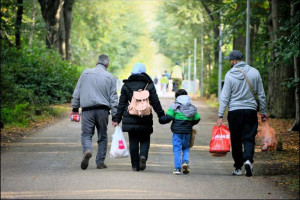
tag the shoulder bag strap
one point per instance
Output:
(251, 88)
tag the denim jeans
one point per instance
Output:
(181, 142)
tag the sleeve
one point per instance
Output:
(261, 96)
(225, 97)
(168, 117)
(121, 107)
(76, 95)
(155, 103)
(113, 97)
(196, 119)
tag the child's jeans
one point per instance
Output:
(181, 142)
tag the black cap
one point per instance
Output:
(234, 55)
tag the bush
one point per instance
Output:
(34, 78)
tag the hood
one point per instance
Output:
(138, 68)
(183, 104)
(138, 77)
(235, 73)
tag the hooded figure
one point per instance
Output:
(138, 128)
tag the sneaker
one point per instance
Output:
(237, 172)
(142, 163)
(248, 168)
(177, 171)
(185, 168)
(101, 166)
(85, 160)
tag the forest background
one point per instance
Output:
(45, 45)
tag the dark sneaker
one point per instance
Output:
(142, 163)
(237, 172)
(101, 166)
(177, 171)
(135, 169)
(185, 168)
(248, 168)
(85, 160)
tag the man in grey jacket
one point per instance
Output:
(96, 94)
(242, 110)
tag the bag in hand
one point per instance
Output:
(118, 145)
(268, 139)
(220, 141)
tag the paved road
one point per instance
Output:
(47, 165)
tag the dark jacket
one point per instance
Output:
(133, 123)
(183, 114)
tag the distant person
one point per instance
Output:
(164, 82)
(169, 78)
(176, 76)
(184, 116)
(242, 110)
(139, 128)
(96, 94)
(155, 80)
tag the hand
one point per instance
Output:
(264, 117)
(74, 113)
(220, 121)
(115, 124)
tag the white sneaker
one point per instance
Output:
(237, 172)
(248, 168)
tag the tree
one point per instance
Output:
(280, 100)
(19, 23)
(58, 17)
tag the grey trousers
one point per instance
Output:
(90, 119)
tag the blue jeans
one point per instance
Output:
(181, 142)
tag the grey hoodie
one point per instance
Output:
(96, 87)
(236, 92)
(183, 104)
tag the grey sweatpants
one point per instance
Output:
(90, 119)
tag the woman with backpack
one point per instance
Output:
(138, 124)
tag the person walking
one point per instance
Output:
(184, 116)
(164, 82)
(242, 110)
(139, 128)
(176, 76)
(96, 94)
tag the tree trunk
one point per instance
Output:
(51, 14)
(239, 42)
(19, 23)
(32, 24)
(296, 125)
(68, 13)
(281, 101)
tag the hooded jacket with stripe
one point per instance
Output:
(132, 123)
(183, 114)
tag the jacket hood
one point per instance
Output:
(235, 72)
(138, 77)
(183, 104)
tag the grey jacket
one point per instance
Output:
(183, 104)
(236, 92)
(95, 88)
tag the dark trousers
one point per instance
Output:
(139, 145)
(243, 129)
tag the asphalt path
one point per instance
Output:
(46, 165)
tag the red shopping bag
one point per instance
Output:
(220, 141)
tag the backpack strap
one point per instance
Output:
(146, 86)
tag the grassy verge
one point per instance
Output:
(14, 131)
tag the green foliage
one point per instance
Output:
(109, 27)
(36, 76)
(18, 115)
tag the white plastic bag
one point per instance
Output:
(118, 147)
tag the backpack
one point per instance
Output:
(140, 104)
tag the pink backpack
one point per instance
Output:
(140, 104)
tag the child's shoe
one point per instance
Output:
(177, 171)
(185, 168)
